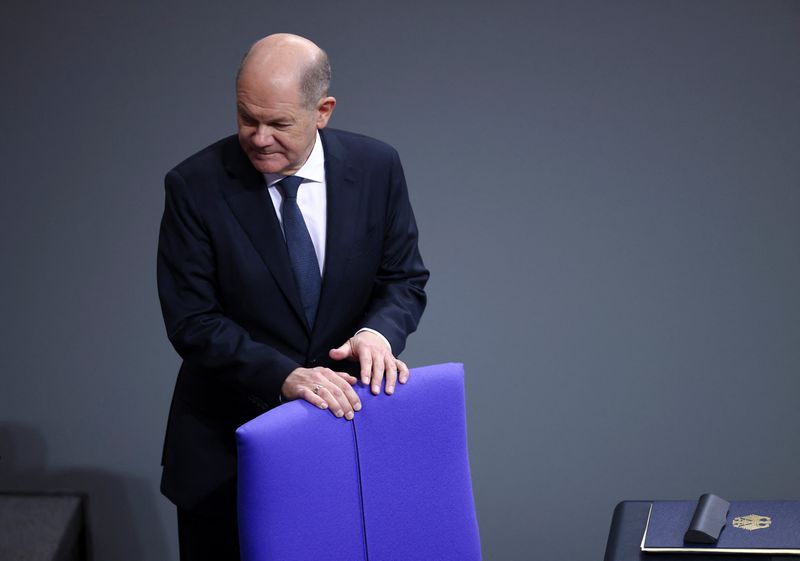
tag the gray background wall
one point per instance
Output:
(608, 195)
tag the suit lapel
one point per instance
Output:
(250, 203)
(342, 202)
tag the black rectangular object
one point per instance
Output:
(708, 520)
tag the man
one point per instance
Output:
(284, 252)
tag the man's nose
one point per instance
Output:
(263, 136)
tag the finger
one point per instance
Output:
(365, 358)
(343, 398)
(342, 352)
(402, 371)
(331, 400)
(312, 398)
(377, 375)
(347, 377)
(339, 388)
(343, 381)
(326, 388)
(391, 374)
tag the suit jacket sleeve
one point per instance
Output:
(398, 297)
(196, 324)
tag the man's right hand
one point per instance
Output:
(333, 390)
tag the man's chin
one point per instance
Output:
(268, 163)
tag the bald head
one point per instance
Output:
(287, 60)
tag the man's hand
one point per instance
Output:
(376, 361)
(324, 388)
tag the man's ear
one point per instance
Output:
(324, 111)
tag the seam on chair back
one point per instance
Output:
(360, 492)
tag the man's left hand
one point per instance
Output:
(376, 361)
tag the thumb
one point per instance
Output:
(342, 352)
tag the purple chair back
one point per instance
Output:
(393, 484)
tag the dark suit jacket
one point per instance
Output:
(231, 306)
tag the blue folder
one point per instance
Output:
(754, 527)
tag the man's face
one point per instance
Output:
(276, 131)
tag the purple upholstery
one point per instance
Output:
(391, 485)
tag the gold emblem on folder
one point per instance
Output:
(752, 522)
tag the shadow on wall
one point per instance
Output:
(115, 534)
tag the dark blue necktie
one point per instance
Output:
(301, 249)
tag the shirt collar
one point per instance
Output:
(312, 170)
